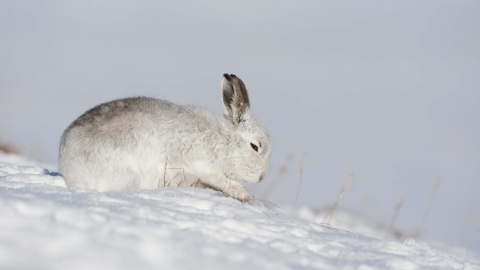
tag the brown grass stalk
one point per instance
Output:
(280, 174)
(253, 202)
(396, 234)
(7, 148)
(463, 234)
(299, 186)
(164, 176)
(346, 185)
(419, 230)
(394, 218)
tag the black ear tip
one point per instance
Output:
(233, 75)
(226, 76)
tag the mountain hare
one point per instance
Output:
(147, 143)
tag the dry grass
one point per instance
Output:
(419, 230)
(394, 218)
(264, 201)
(164, 176)
(8, 148)
(280, 174)
(346, 185)
(390, 229)
(463, 235)
(196, 183)
(299, 185)
(168, 183)
(395, 232)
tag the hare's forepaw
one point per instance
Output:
(237, 191)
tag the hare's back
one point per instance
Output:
(133, 111)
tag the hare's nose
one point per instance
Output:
(261, 177)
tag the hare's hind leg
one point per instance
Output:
(109, 179)
(121, 179)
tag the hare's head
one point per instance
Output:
(252, 155)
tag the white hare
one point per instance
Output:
(147, 143)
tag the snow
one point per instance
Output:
(368, 226)
(44, 225)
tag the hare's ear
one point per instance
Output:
(235, 98)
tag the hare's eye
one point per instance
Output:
(254, 147)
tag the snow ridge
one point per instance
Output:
(45, 225)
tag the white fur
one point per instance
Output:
(147, 143)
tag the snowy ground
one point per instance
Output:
(44, 225)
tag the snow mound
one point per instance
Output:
(45, 225)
